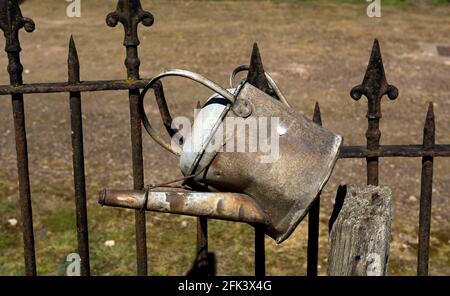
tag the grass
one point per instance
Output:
(171, 243)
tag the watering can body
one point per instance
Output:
(285, 184)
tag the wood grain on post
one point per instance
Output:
(360, 231)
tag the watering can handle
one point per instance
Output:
(269, 79)
(181, 73)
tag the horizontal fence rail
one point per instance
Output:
(83, 86)
(395, 151)
(130, 14)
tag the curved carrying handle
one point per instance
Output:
(181, 73)
(269, 79)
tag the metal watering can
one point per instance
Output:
(284, 185)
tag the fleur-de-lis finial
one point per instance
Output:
(374, 85)
(130, 14)
(11, 21)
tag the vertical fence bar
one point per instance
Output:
(202, 246)
(76, 123)
(257, 77)
(374, 87)
(138, 181)
(202, 261)
(260, 251)
(426, 190)
(202, 265)
(130, 14)
(313, 219)
(10, 23)
(24, 184)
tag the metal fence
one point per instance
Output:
(130, 14)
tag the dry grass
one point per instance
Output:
(317, 52)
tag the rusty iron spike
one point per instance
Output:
(429, 128)
(76, 123)
(73, 63)
(256, 75)
(426, 193)
(314, 219)
(317, 117)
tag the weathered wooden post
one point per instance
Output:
(360, 231)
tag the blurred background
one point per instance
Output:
(316, 51)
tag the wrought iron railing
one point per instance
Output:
(130, 14)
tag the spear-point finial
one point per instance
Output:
(130, 14)
(73, 62)
(256, 75)
(11, 21)
(317, 118)
(429, 128)
(374, 85)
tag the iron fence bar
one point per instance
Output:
(395, 151)
(130, 14)
(374, 87)
(257, 77)
(10, 24)
(138, 182)
(202, 260)
(313, 220)
(76, 123)
(260, 251)
(202, 246)
(24, 184)
(426, 191)
(201, 264)
(83, 86)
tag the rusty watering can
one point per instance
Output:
(283, 183)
